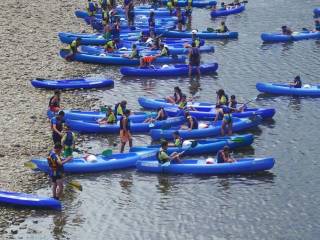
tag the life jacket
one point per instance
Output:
(299, 84)
(223, 29)
(73, 46)
(222, 101)
(158, 155)
(182, 105)
(219, 157)
(111, 118)
(69, 140)
(178, 142)
(195, 123)
(165, 51)
(135, 53)
(196, 40)
(195, 54)
(118, 109)
(53, 162)
(121, 123)
(110, 46)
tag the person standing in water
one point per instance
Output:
(125, 134)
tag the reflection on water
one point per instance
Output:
(295, 103)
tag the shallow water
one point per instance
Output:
(280, 204)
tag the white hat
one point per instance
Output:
(194, 31)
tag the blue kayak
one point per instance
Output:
(94, 127)
(97, 163)
(29, 200)
(296, 36)
(207, 146)
(204, 111)
(241, 166)
(84, 83)
(174, 49)
(174, 70)
(228, 11)
(211, 129)
(94, 116)
(98, 39)
(316, 12)
(285, 89)
(201, 35)
(116, 60)
(195, 3)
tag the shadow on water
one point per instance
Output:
(285, 46)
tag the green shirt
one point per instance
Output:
(163, 156)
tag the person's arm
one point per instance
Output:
(217, 116)
(54, 128)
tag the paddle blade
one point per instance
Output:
(237, 139)
(30, 165)
(165, 164)
(209, 29)
(107, 152)
(75, 184)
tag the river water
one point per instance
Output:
(280, 204)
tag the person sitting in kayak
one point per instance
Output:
(296, 82)
(125, 133)
(192, 122)
(222, 98)
(110, 117)
(223, 155)
(73, 49)
(55, 163)
(194, 37)
(120, 108)
(68, 141)
(57, 123)
(177, 139)
(134, 53)
(111, 46)
(162, 154)
(286, 30)
(177, 96)
(54, 102)
(164, 51)
(194, 59)
(161, 115)
(233, 105)
(183, 102)
(223, 6)
(223, 28)
(224, 112)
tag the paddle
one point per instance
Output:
(72, 183)
(232, 4)
(193, 145)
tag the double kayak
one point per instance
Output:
(174, 49)
(29, 200)
(166, 70)
(94, 116)
(296, 36)
(195, 3)
(228, 11)
(285, 89)
(316, 12)
(202, 110)
(241, 166)
(117, 60)
(84, 83)
(201, 35)
(97, 163)
(94, 127)
(207, 146)
(210, 129)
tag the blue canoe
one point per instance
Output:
(174, 49)
(93, 116)
(175, 70)
(115, 60)
(204, 111)
(285, 89)
(296, 36)
(229, 11)
(93, 127)
(316, 12)
(195, 3)
(84, 83)
(201, 35)
(241, 166)
(208, 146)
(212, 130)
(97, 163)
(264, 113)
(29, 200)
